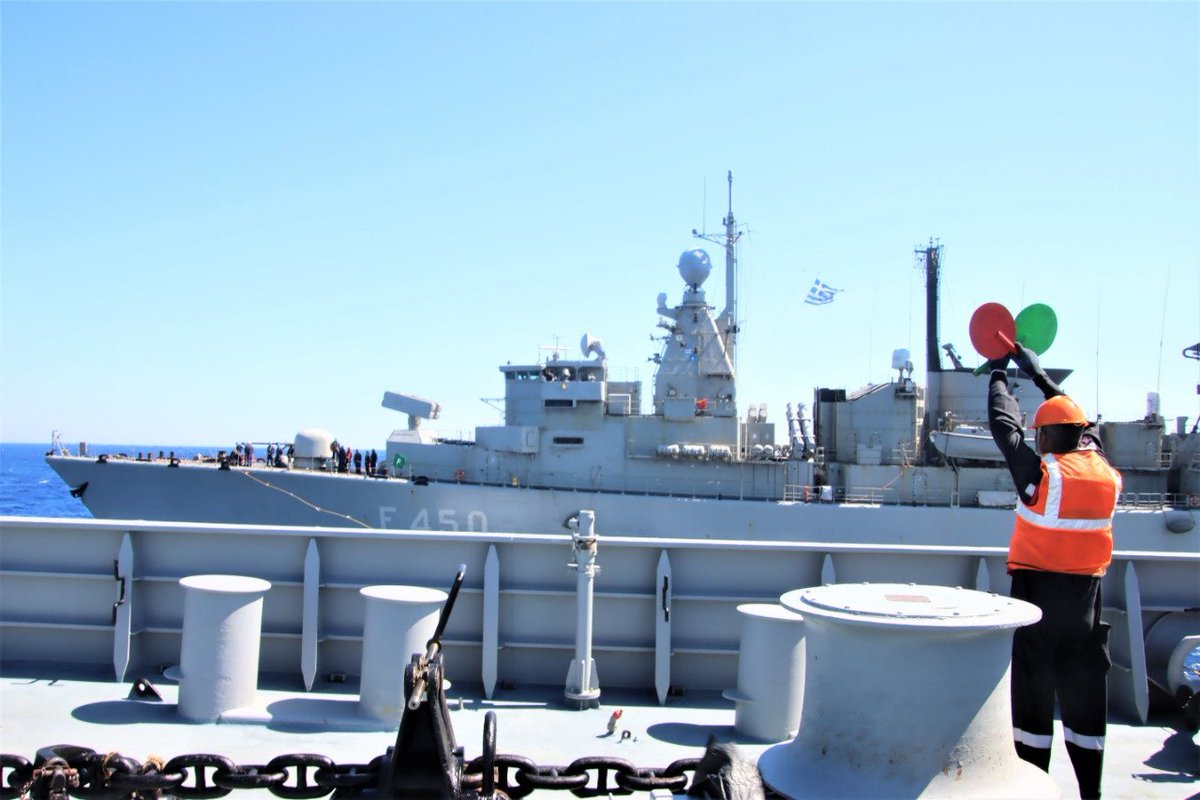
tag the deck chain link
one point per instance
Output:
(88, 775)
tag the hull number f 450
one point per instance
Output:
(441, 519)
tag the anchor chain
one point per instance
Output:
(64, 771)
(425, 762)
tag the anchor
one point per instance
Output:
(426, 762)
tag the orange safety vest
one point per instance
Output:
(1069, 526)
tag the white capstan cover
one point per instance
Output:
(906, 694)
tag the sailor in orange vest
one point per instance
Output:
(1061, 545)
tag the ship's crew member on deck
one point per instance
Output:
(1061, 546)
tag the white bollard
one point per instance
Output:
(906, 695)
(218, 661)
(399, 621)
(770, 683)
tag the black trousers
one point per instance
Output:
(1063, 655)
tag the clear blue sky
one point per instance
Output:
(228, 221)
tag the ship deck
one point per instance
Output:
(41, 706)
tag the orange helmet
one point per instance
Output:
(1059, 410)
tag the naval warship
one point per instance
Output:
(697, 513)
(895, 461)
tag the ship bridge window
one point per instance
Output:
(557, 402)
(574, 441)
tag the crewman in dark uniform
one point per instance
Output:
(1061, 546)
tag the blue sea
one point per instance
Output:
(29, 488)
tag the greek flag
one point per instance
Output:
(820, 293)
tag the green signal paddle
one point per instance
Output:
(1037, 325)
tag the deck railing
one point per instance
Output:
(515, 620)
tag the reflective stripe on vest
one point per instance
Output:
(1069, 526)
(1053, 493)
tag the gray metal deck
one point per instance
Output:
(1155, 761)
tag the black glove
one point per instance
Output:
(1027, 360)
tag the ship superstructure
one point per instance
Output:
(566, 425)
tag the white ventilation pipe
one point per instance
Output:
(583, 683)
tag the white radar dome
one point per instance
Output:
(694, 267)
(313, 443)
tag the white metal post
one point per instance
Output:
(583, 684)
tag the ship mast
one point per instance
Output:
(727, 321)
(932, 258)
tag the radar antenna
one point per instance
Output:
(728, 317)
(590, 344)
